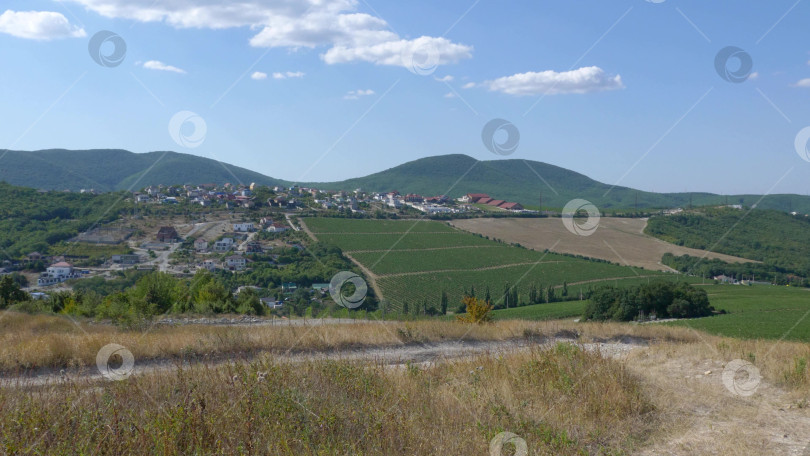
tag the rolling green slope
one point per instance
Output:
(777, 239)
(523, 181)
(114, 169)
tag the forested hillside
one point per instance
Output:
(777, 239)
(114, 169)
(32, 221)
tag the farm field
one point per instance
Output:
(550, 311)
(435, 258)
(758, 312)
(616, 239)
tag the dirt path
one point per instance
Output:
(701, 416)
(396, 355)
(372, 278)
(486, 268)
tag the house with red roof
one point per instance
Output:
(473, 197)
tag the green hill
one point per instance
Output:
(114, 169)
(522, 181)
(526, 181)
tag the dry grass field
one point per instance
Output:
(620, 240)
(665, 392)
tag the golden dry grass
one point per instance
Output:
(40, 341)
(667, 398)
(563, 401)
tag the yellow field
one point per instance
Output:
(620, 240)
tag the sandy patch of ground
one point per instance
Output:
(620, 240)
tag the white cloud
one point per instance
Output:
(347, 35)
(804, 83)
(583, 80)
(449, 95)
(38, 25)
(355, 94)
(160, 66)
(447, 78)
(288, 74)
(258, 76)
(753, 76)
(468, 85)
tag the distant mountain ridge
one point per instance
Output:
(116, 169)
(527, 182)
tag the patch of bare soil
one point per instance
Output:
(620, 240)
(701, 416)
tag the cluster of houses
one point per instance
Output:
(204, 195)
(483, 198)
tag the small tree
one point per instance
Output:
(444, 303)
(478, 311)
(10, 292)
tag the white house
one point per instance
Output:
(210, 265)
(223, 245)
(57, 273)
(272, 303)
(277, 228)
(200, 244)
(243, 227)
(235, 262)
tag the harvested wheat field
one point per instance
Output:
(619, 240)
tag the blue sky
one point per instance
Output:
(317, 90)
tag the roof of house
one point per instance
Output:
(477, 195)
(484, 200)
(235, 257)
(496, 202)
(62, 264)
(510, 205)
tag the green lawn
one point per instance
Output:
(767, 312)
(463, 259)
(551, 311)
(384, 242)
(338, 225)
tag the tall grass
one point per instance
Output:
(563, 401)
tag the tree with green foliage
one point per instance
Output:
(662, 299)
(444, 302)
(10, 292)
